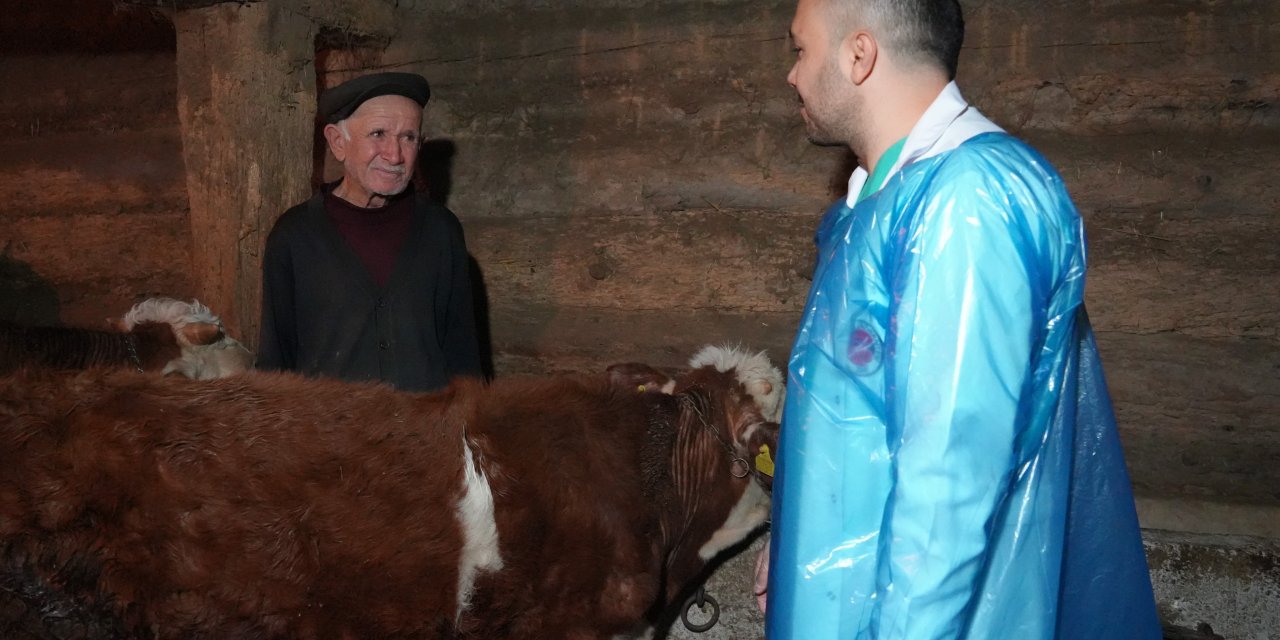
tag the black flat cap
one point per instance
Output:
(341, 101)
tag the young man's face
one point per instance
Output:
(816, 75)
(378, 158)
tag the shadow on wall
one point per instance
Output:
(838, 186)
(480, 299)
(435, 169)
(435, 177)
(25, 297)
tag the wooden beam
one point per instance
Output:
(343, 23)
(358, 23)
(181, 5)
(246, 101)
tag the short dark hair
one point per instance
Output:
(925, 31)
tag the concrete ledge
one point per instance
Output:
(1205, 517)
(1229, 582)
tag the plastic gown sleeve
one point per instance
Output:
(959, 360)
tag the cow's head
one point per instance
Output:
(721, 433)
(758, 376)
(207, 352)
(747, 390)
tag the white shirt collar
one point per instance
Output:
(947, 123)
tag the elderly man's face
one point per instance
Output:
(378, 158)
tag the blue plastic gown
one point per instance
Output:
(949, 464)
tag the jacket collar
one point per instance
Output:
(948, 122)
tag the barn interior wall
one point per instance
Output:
(634, 182)
(93, 179)
(91, 167)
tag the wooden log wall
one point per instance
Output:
(634, 182)
(91, 171)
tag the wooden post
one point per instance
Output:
(246, 102)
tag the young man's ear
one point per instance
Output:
(337, 141)
(858, 52)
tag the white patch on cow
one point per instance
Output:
(750, 512)
(219, 359)
(479, 528)
(762, 380)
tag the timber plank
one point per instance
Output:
(1199, 417)
(90, 248)
(92, 95)
(697, 260)
(772, 166)
(1181, 271)
(542, 339)
(62, 174)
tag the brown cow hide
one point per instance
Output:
(272, 506)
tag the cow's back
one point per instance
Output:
(256, 506)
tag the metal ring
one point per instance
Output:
(691, 603)
(739, 464)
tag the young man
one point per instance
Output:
(368, 280)
(949, 464)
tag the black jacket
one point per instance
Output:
(322, 313)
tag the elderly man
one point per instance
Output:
(368, 280)
(949, 463)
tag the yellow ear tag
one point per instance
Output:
(764, 461)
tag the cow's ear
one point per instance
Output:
(762, 446)
(759, 387)
(768, 393)
(640, 377)
(200, 333)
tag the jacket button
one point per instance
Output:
(382, 344)
(381, 303)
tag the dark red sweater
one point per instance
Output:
(376, 235)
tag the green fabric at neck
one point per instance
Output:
(881, 173)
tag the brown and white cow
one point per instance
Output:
(273, 506)
(159, 334)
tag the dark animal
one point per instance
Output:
(159, 334)
(147, 347)
(273, 506)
